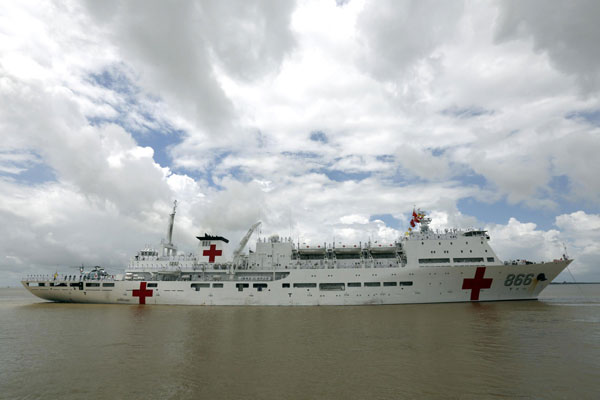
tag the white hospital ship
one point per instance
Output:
(422, 267)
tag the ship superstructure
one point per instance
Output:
(425, 266)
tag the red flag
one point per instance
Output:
(412, 223)
(416, 217)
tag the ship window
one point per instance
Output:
(41, 284)
(217, 285)
(468, 259)
(390, 284)
(406, 283)
(285, 285)
(92, 284)
(372, 284)
(305, 285)
(490, 259)
(433, 260)
(75, 284)
(153, 285)
(332, 286)
(354, 284)
(259, 286)
(109, 284)
(198, 286)
(241, 286)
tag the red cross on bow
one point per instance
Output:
(142, 293)
(212, 253)
(477, 283)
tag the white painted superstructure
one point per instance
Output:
(423, 267)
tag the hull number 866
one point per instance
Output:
(518, 280)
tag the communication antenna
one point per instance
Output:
(171, 223)
(565, 255)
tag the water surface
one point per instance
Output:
(546, 349)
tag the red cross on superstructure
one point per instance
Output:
(477, 283)
(212, 253)
(142, 293)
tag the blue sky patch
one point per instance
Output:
(342, 176)
(149, 132)
(26, 167)
(389, 220)
(592, 117)
(500, 212)
(161, 142)
(319, 136)
(301, 154)
(114, 79)
(34, 174)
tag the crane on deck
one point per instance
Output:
(237, 253)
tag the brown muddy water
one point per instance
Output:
(546, 349)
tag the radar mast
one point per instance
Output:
(169, 249)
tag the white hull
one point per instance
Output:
(428, 285)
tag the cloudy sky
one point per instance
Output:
(322, 119)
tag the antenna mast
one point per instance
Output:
(169, 249)
(171, 223)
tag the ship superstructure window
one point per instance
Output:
(305, 285)
(74, 284)
(433, 260)
(468, 259)
(354, 284)
(92, 284)
(259, 286)
(372, 284)
(197, 286)
(217, 285)
(390, 284)
(490, 259)
(241, 286)
(406, 283)
(108, 284)
(332, 286)
(152, 285)
(285, 285)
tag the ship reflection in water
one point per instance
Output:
(529, 349)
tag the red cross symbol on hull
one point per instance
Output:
(212, 253)
(477, 283)
(142, 293)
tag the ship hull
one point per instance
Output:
(309, 287)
